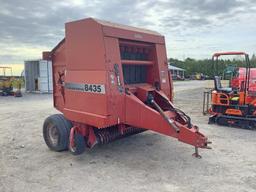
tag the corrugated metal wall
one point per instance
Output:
(45, 79)
(31, 75)
(38, 76)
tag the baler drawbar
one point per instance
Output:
(112, 81)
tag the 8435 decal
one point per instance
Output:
(92, 88)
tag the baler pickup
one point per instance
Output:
(112, 81)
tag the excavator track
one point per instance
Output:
(234, 121)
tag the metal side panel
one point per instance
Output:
(45, 79)
(31, 75)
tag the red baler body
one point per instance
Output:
(103, 74)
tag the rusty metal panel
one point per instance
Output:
(59, 67)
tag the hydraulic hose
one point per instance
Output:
(168, 120)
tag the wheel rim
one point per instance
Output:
(53, 134)
(79, 145)
(73, 148)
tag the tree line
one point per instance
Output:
(205, 66)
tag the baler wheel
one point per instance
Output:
(79, 143)
(56, 131)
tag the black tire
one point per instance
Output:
(56, 130)
(79, 145)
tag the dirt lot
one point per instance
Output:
(144, 162)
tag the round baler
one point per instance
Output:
(111, 81)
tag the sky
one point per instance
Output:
(192, 28)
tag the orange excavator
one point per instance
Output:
(234, 106)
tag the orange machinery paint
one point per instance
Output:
(103, 75)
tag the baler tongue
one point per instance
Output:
(168, 120)
(201, 140)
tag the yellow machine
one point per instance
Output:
(7, 82)
(199, 76)
(6, 87)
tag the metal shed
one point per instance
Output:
(176, 72)
(38, 76)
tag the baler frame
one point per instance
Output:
(127, 89)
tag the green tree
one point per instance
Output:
(205, 66)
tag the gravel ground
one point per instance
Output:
(144, 162)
